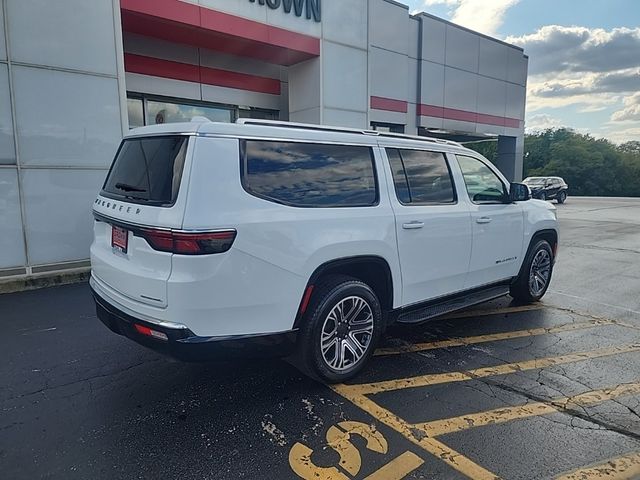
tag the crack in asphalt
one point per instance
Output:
(48, 387)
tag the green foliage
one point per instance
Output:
(590, 166)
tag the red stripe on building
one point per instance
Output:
(182, 22)
(466, 116)
(193, 73)
(388, 104)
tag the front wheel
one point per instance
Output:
(341, 327)
(562, 197)
(535, 275)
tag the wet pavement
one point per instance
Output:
(544, 391)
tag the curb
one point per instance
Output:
(79, 275)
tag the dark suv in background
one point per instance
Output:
(548, 188)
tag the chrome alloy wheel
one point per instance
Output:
(346, 333)
(540, 272)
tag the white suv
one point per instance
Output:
(272, 238)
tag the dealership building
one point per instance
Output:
(75, 75)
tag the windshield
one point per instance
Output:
(147, 170)
(535, 181)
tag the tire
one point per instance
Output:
(562, 197)
(330, 349)
(535, 275)
(542, 196)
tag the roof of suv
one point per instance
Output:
(267, 129)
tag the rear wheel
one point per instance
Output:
(341, 327)
(534, 278)
(562, 197)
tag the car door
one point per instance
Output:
(498, 225)
(433, 227)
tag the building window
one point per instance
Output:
(308, 174)
(153, 110)
(136, 112)
(387, 127)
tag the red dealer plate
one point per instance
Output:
(119, 238)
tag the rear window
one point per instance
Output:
(147, 170)
(309, 174)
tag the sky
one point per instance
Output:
(584, 57)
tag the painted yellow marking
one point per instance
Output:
(301, 464)
(339, 439)
(439, 378)
(507, 414)
(495, 311)
(492, 337)
(398, 468)
(454, 459)
(626, 467)
(350, 458)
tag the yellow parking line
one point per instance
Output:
(620, 468)
(454, 459)
(495, 311)
(398, 468)
(507, 414)
(439, 378)
(492, 337)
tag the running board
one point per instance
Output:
(443, 307)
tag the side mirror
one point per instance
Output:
(519, 192)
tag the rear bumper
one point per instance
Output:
(184, 345)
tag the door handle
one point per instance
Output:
(483, 220)
(415, 225)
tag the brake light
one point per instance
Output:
(146, 331)
(189, 243)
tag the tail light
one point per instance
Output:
(188, 243)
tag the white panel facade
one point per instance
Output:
(492, 96)
(432, 83)
(344, 118)
(434, 34)
(11, 241)
(388, 25)
(79, 125)
(516, 97)
(7, 150)
(3, 48)
(342, 83)
(345, 22)
(163, 86)
(462, 49)
(79, 35)
(381, 62)
(517, 65)
(304, 85)
(460, 90)
(493, 59)
(58, 203)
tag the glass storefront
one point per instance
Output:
(145, 110)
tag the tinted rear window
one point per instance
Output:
(309, 175)
(147, 170)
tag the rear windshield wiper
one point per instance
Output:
(129, 188)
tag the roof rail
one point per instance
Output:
(329, 128)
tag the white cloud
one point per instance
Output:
(484, 16)
(631, 110)
(542, 121)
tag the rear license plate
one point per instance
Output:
(119, 238)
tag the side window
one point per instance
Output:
(309, 175)
(421, 177)
(483, 185)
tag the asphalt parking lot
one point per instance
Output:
(544, 391)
